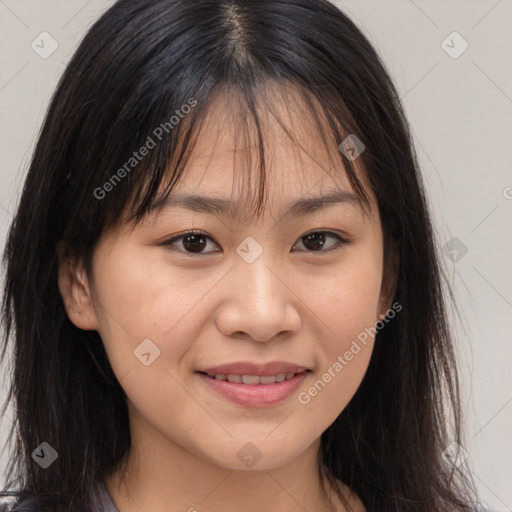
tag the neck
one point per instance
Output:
(163, 476)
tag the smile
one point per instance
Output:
(253, 379)
(254, 390)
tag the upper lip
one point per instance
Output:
(248, 368)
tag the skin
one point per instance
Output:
(300, 305)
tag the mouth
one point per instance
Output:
(253, 380)
(251, 390)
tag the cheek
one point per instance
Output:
(139, 297)
(353, 306)
(348, 300)
(348, 308)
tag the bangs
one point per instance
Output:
(248, 110)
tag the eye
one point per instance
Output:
(192, 241)
(315, 241)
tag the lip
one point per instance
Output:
(248, 368)
(254, 395)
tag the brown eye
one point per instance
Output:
(316, 241)
(192, 242)
(195, 242)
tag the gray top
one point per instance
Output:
(102, 502)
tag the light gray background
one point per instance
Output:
(460, 113)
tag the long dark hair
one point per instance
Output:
(136, 68)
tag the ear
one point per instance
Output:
(389, 276)
(75, 290)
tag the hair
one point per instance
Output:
(140, 64)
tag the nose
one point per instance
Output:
(258, 302)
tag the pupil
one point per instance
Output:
(316, 239)
(195, 243)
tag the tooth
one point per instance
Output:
(253, 379)
(250, 379)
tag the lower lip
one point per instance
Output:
(255, 395)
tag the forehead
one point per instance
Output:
(298, 160)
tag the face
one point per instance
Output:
(295, 287)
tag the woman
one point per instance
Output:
(186, 340)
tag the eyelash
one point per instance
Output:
(341, 241)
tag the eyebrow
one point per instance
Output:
(225, 207)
